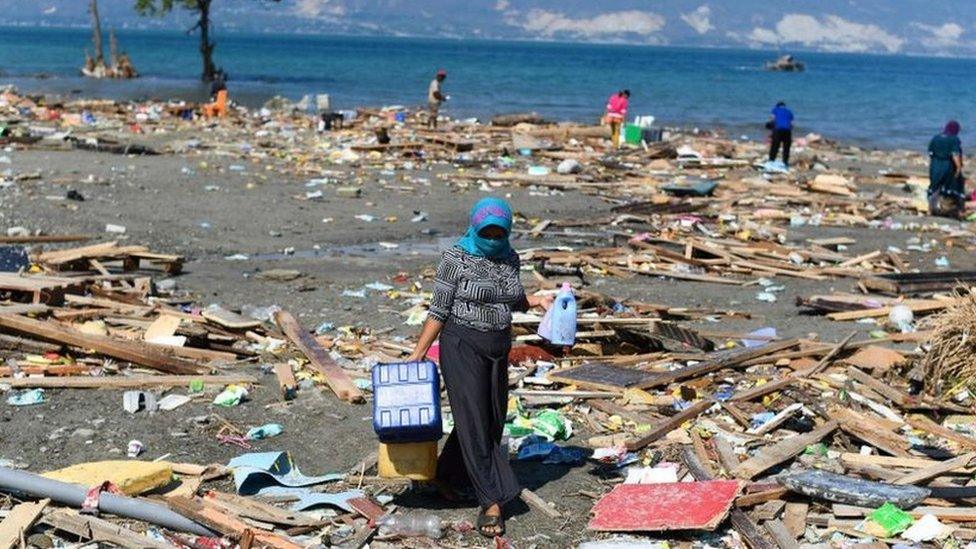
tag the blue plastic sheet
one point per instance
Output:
(257, 472)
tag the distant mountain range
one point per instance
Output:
(935, 27)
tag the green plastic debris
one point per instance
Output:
(892, 519)
(196, 385)
(231, 396)
(818, 449)
(550, 424)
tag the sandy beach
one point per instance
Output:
(254, 203)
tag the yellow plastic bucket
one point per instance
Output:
(413, 460)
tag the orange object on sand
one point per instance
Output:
(218, 107)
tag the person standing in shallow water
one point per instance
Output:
(947, 187)
(476, 289)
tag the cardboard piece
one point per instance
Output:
(660, 507)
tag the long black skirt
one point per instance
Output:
(474, 366)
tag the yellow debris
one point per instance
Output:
(132, 477)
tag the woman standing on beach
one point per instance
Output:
(947, 188)
(476, 289)
(616, 113)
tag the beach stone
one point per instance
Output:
(568, 166)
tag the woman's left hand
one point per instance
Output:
(544, 301)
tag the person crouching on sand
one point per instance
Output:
(476, 289)
(616, 113)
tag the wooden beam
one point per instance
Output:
(286, 380)
(783, 450)
(124, 382)
(669, 424)
(939, 468)
(530, 497)
(92, 528)
(16, 524)
(709, 366)
(123, 350)
(319, 359)
(925, 424)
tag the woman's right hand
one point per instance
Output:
(416, 357)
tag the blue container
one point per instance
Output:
(407, 402)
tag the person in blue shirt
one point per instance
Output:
(781, 122)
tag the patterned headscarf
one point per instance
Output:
(488, 211)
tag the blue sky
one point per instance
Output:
(939, 27)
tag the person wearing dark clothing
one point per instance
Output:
(781, 122)
(219, 84)
(476, 289)
(947, 187)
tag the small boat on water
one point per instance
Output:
(786, 63)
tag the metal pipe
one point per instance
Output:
(22, 482)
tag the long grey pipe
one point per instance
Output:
(22, 482)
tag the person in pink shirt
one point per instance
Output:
(616, 113)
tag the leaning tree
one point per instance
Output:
(202, 10)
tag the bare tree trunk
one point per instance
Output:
(206, 46)
(96, 32)
(113, 49)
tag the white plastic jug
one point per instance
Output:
(559, 324)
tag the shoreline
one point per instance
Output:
(197, 92)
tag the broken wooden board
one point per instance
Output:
(668, 425)
(917, 283)
(938, 468)
(48, 290)
(14, 527)
(123, 350)
(319, 358)
(229, 319)
(786, 449)
(286, 380)
(125, 382)
(601, 377)
(875, 358)
(87, 527)
(727, 360)
(699, 505)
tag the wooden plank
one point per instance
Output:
(125, 382)
(16, 524)
(762, 390)
(781, 535)
(829, 357)
(786, 449)
(898, 397)
(600, 377)
(953, 514)
(209, 515)
(92, 528)
(530, 497)
(44, 239)
(164, 326)
(122, 350)
(939, 468)
(795, 518)
(669, 425)
(851, 459)
(875, 432)
(925, 424)
(286, 380)
(758, 498)
(749, 530)
(729, 361)
(318, 358)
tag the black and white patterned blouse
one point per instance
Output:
(477, 292)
